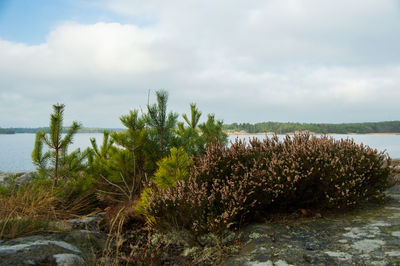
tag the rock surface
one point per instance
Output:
(20, 178)
(369, 235)
(86, 223)
(77, 247)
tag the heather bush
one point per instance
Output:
(310, 171)
(219, 192)
(229, 186)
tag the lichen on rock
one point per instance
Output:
(368, 234)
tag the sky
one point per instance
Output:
(244, 60)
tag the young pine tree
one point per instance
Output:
(161, 124)
(212, 131)
(195, 115)
(122, 162)
(188, 136)
(56, 162)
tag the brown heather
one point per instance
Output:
(229, 186)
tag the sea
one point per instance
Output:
(15, 149)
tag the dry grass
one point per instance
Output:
(33, 209)
(27, 211)
(116, 220)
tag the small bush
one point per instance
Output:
(229, 186)
(171, 169)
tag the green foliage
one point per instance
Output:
(104, 150)
(189, 137)
(282, 128)
(142, 204)
(56, 162)
(212, 131)
(38, 158)
(4, 191)
(122, 168)
(194, 137)
(172, 168)
(161, 124)
(195, 115)
(229, 186)
(98, 157)
(152, 145)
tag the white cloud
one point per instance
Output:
(327, 61)
(72, 48)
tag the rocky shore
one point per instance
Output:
(367, 235)
(78, 244)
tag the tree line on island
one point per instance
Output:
(18, 130)
(262, 127)
(323, 128)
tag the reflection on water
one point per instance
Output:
(15, 150)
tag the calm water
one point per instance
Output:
(15, 150)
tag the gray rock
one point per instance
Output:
(24, 177)
(68, 260)
(86, 223)
(77, 247)
(19, 178)
(367, 235)
(3, 178)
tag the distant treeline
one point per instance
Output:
(65, 130)
(281, 128)
(6, 131)
(276, 127)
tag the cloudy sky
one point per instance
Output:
(244, 60)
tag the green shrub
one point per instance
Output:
(212, 131)
(172, 168)
(229, 186)
(120, 169)
(57, 163)
(195, 137)
(142, 204)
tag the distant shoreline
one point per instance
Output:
(238, 133)
(382, 128)
(313, 133)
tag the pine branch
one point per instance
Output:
(68, 137)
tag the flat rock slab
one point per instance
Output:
(369, 235)
(77, 247)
